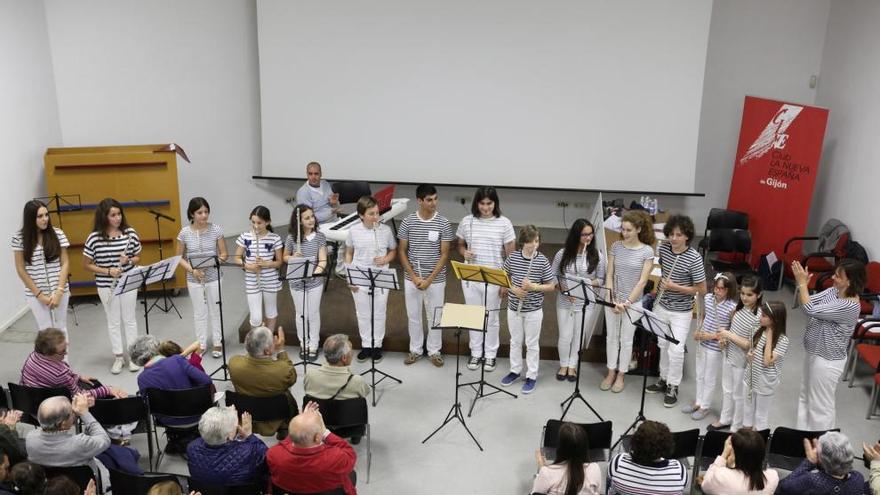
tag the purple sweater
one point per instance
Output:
(806, 479)
(172, 373)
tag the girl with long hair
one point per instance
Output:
(740, 467)
(305, 242)
(258, 251)
(571, 473)
(764, 368)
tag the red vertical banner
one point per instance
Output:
(777, 161)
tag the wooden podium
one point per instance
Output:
(140, 177)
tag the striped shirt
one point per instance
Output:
(265, 250)
(744, 324)
(486, 237)
(578, 268)
(625, 477)
(369, 243)
(832, 320)
(765, 379)
(105, 252)
(309, 247)
(717, 317)
(200, 244)
(517, 267)
(628, 266)
(424, 238)
(42, 372)
(685, 268)
(43, 273)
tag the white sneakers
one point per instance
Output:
(133, 367)
(117, 366)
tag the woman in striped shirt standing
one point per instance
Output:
(833, 314)
(305, 242)
(199, 241)
(629, 265)
(112, 249)
(41, 263)
(259, 251)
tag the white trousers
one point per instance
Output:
(206, 307)
(362, 309)
(416, 299)
(525, 327)
(569, 321)
(313, 315)
(473, 294)
(706, 372)
(816, 401)
(46, 318)
(757, 411)
(672, 356)
(619, 332)
(120, 312)
(257, 301)
(732, 396)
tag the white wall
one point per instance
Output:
(850, 172)
(132, 72)
(28, 125)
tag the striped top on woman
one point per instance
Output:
(626, 477)
(201, 244)
(579, 268)
(716, 317)
(743, 324)
(42, 372)
(486, 237)
(628, 266)
(309, 247)
(43, 273)
(265, 249)
(764, 379)
(685, 268)
(832, 320)
(517, 266)
(105, 253)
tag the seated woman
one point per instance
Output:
(738, 470)
(571, 472)
(228, 453)
(827, 469)
(192, 353)
(645, 468)
(46, 368)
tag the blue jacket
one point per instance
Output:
(235, 462)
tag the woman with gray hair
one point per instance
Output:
(228, 453)
(827, 469)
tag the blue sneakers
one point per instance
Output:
(509, 378)
(529, 385)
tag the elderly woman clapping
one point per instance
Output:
(228, 453)
(827, 468)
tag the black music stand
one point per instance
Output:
(654, 328)
(201, 261)
(142, 276)
(486, 276)
(373, 279)
(458, 317)
(583, 291)
(62, 203)
(167, 302)
(303, 270)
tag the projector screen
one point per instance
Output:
(568, 94)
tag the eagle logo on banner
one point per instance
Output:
(773, 136)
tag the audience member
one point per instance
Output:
(168, 488)
(312, 459)
(571, 472)
(227, 453)
(645, 468)
(827, 469)
(55, 444)
(10, 443)
(192, 353)
(46, 368)
(264, 372)
(739, 469)
(62, 485)
(872, 456)
(28, 478)
(5, 485)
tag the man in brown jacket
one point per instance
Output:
(265, 371)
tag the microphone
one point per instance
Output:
(160, 215)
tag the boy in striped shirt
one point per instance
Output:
(424, 239)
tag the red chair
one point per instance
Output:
(875, 394)
(870, 354)
(863, 331)
(832, 239)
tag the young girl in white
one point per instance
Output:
(718, 306)
(736, 343)
(258, 251)
(579, 258)
(764, 365)
(42, 265)
(629, 265)
(486, 237)
(199, 242)
(370, 244)
(530, 276)
(305, 242)
(112, 249)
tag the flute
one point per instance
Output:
(201, 280)
(469, 245)
(51, 291)
(119, 265)
(662, 291)
(257, 258)
(528, 274)
(749, 362)
(298, 232)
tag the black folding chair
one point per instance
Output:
(346, 418)
(112, 412)
(122, 483)
(734, 243)
(4, 400)
(207, 489)
(351, 191)
(787, 447)
(272, 408)
(277, 490)
(177, 405)
(598, 439)
(81, 475)
(28, 400)
(720, 218)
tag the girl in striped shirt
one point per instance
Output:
(112, 249)
(718, 307)
(42, 265)
(736, 342)
(305, 242)
(258, 251)
(198, 242)
(764, 367)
